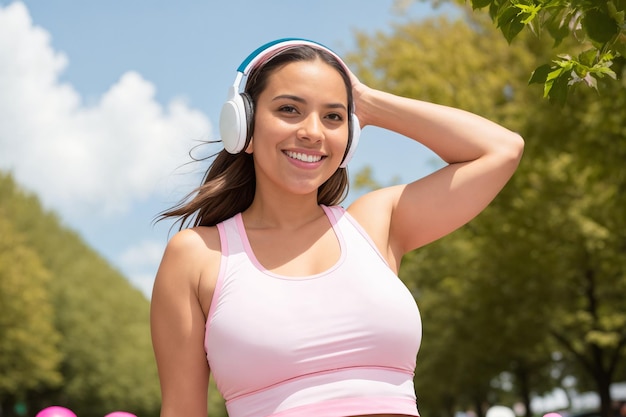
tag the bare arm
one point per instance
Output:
(481, 157)
(178, 328)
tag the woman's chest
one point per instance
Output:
(354, 316)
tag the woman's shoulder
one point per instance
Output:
(193, 256)
(191, 251)
(193, 241)
(380, 201)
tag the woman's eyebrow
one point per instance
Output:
(289, 97)
(301, 100)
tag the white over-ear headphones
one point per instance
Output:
(238, 111)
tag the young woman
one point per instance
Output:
(292, 302)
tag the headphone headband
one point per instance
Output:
(274, 46)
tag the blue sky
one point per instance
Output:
(101, 101)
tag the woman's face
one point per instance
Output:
(301, 127)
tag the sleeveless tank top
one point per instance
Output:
(340, 343)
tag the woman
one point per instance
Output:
(290, 301)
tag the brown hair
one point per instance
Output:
(229, 185)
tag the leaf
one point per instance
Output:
(606, 71)
(540, 74)
(493, 11)
(560, 87)
(510, 23)
(599, 26)
(528, 12)
(479, 4)
(552, 75)
(505, 15)
(558, 28)
(558, 81)
(618, 16)
(588, 57)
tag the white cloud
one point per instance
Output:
(98, 158)
(141, 255)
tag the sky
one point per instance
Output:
(101, 103)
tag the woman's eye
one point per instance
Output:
(335, 117)
(288, 109)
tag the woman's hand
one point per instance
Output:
(358, 91)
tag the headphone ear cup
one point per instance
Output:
(355, 133)
(248, 106)
(234, 124)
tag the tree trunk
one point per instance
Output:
(523, 385)
(603, 384)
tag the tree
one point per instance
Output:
(29, 342)
(105, 349)
(486, 76)
(541, 271)
(597, 26)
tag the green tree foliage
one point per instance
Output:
(29, 342)
(216, 404)
(99, 348)
(532, 290)
(597, 26)
(578, 209)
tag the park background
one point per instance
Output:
(101, 103)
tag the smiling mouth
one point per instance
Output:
(303, 157)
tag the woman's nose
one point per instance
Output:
(312, 128)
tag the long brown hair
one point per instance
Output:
(229, 184)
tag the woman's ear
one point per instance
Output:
(250, 148)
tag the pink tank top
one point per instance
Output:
(340, 343)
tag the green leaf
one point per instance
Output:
(510, 23)
(493, 11)
(618, 16)
(580, 70)
(479, 4)
(540, 74)
(547, 86)
(505, 15)
(600, 27)
(527, 13)
(558, 80)
(559, 89)
(606, 71)
(588, 57)
(558, 27)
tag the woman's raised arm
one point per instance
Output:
(481, 157)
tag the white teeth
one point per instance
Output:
(303, 157)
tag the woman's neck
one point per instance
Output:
(283, 213)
